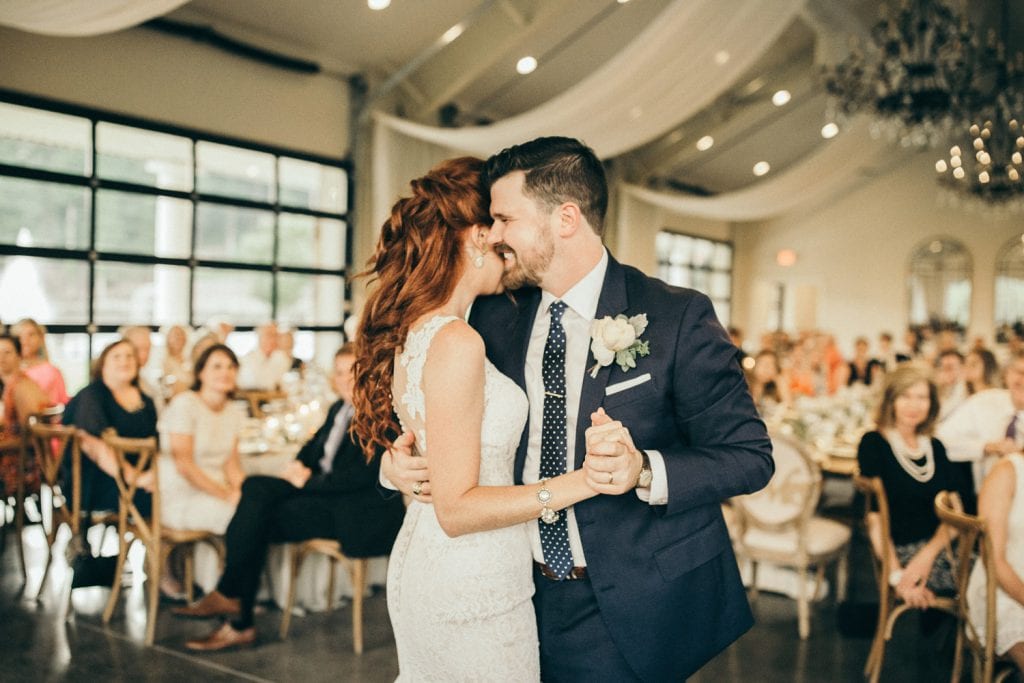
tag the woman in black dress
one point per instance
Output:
(112, 400)
(913, 468)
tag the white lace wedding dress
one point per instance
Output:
(460, 607)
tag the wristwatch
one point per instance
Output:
(643, 481)
(547, 515)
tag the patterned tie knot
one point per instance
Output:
(556, 309)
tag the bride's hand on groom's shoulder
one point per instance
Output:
(613, 463)
(409, 473)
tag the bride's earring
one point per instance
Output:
(479, 260)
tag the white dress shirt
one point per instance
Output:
(979, 420)
(259, 371)
(581, 301)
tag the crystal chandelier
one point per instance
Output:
(987, 169)
(914, 77)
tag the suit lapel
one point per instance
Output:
(612, 302)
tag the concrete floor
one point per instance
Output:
(38, 644)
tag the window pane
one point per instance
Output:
(703, 250)
(234, 172)
(682, 249)
(41, 139)
(143, 224)
(230, 233)
(239, 296)
(311, 242)
(723, 311)
(719, 286)
(723, 257)
(39, 214)
(140, 294)
(313, 186)
(48, 290)
(325, 345)
(70, 353)
(310, 299)
(143, 156)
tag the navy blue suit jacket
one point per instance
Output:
(665, 576)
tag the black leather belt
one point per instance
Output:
(574, 574)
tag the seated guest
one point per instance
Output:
(989, 424)
(35, 360)
(863, 368)
(139, 336)
(112, 400)
(176, 369)
(264, 366)
(200, 470)
(913, 468)
(887, 355)
(286, 344)
(21, 396)
(328, 491)
(1001, 505)
(767, 386)
(949, 378)
(981, 371)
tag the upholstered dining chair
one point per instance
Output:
(890, 606)
(973, 542)
(777, 525)
(158, 540)
(357, 572)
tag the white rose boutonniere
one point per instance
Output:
(618, 339)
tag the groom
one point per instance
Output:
(640, 584)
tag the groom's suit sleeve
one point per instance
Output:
(721, 447)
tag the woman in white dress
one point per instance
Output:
(459, 579)
(1001, 505)
(200, 471)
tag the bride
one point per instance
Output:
(459, 578)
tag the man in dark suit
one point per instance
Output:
(328, 491)
(651, 591)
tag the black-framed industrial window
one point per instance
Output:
(698, 263)
(108, 220)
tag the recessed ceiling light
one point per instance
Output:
(378, 4)
(526, 65)
(705, 143)
(781, 97)
(721, 57)
(623, 2)
(452, 33)
(761, 167)
(829, 130)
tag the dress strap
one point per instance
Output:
(413, 358)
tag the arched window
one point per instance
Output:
(939, 284)
(1010, 288)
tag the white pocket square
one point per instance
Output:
(628, 384)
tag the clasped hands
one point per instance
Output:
(612, 463)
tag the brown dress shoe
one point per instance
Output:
(213, 604)
(222, 638)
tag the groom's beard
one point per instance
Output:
(528, 268)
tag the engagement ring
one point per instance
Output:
(417, 488)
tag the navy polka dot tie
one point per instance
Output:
(554, 538)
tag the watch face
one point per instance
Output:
(544, 496)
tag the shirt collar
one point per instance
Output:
(583, 296)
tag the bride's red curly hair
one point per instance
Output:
(414, 269)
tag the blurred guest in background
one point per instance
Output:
(140, 337)
(21, 396)
(286, 344)
(981, 371)
(328, 491)
(887, 355)
(863, 368)
(112, 400)
(201, 472)
(36, 360)
(949, 378)
(264, 366)
(767, 386)
(913, 468)
(176, 369)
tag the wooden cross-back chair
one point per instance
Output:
(256, 399)
(51, 444)
(973, 541)
(890, 605)
(158, 540)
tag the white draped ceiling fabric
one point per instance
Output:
(815, 179)
(81, 17)
(690, 54)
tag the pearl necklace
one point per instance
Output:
(905, 457)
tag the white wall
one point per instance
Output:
(174, 80)
(854, 253)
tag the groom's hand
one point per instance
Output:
(409, 473)
(613, 463)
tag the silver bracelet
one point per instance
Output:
(547, 515)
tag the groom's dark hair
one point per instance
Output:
(557, 170)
